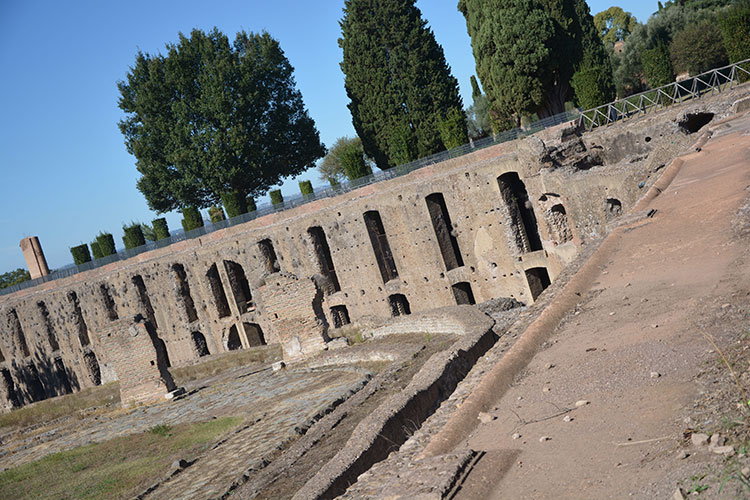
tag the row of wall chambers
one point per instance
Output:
(410, 244)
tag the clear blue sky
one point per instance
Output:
(63, 165)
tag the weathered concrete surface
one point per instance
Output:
(684, 262)
(386, 428)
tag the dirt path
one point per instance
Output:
(631, 349)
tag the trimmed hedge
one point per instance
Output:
(251, 207)
(306, 187)
(191, 219)
(80, 254)
(216, 214)
(161, 229)
(133, 237)
(95, 250)
(235, 203)
(276, 197)
(106, 244)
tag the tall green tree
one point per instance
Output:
(614, 25)
(397, 79)
(526, 52)
(212, 117)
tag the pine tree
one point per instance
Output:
(397, 79)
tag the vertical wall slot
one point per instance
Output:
(538, 279)
(380, 245)
(441, 223)
(83, 329)
(340, 316)
(323, 256)
(200, 344)
(522, 219)
(51, 334)
(239, 286)
(220, 297)
(268, 254)
(463, 294)
(109, 303)
(399, 305)
(183, 289)
(18, 335)
(254, 334)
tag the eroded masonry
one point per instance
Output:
(500, 222)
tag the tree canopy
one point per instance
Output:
(344, 160)
(698, 48)
(14, 277)
(614, 24)
(211, 117)
(526, 52)
(397, 79)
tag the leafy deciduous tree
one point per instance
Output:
(14, 277)
(735, 30)
(698, 48)
(212, 117)
(345, 160)
(614, 24)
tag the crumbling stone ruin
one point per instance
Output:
(501, 222)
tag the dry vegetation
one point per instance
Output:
(119, 468)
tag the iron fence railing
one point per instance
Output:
(715, 80)
(712, 81)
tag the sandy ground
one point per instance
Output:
(633, 350)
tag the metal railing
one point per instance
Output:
(714, 80)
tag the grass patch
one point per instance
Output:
(226, 361)
(119, 468)
(50, 409)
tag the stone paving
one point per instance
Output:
(277, 407)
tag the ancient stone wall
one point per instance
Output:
(441, 235)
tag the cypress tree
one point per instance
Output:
(161, 229)
(397, 79)
(526, 52)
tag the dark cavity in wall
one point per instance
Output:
(693, 122)
(340, 316)
(269, 256)
(399, 305)
(183, 290)
(92, 367)
(441, 223)
(323, 256)
(254, 334)
(199, 342)
(614, 208)
(380, 245)
(214, 281)
(144, 299)
(83, 329)
(109, 303)
(538, 280)
(239, 286)
(9, 388)
(463, 294)
(557, 219)
(522, 219)
(51, 334)
(18, 335)
(233, 339)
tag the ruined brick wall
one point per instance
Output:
(132, 355)
(202, 295)
(294, 307)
